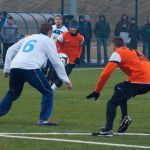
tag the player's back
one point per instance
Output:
(135, 65)
(31, 54)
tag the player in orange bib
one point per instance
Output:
(137, 67)
(69, 43)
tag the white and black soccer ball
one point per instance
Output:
(64, 58)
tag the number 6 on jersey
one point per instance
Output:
(29, 46)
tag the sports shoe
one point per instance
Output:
(45, 122)
(126, 121)
(103, 132)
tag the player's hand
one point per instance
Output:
(69, 85)
(77, 61)
(94, 95)
(6, 74)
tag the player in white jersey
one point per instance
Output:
(58, 28)
(23, 63)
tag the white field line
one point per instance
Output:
(76, 141)
(61, 133)
(48, 133)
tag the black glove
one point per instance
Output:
(77, 61)
(93, 95)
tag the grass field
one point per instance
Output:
(75, 115)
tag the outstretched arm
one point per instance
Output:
(104, 76)
(110, 67)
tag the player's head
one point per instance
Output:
(46, 29)
(73, 27)
(117, 43)
(58, 20)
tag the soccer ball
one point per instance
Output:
(64, 58)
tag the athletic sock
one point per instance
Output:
(54, 87)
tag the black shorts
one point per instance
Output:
(127, 89)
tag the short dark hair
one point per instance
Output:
(118, 41)
(45, 27)
(59, 16)
(10, 17)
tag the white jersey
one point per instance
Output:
(57, 31)
(32, 52)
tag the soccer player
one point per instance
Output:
(23, 62)
(69, 43)
(58, 27)
(137, 67)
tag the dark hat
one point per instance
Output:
(73, 24)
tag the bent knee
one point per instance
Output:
(14, 95)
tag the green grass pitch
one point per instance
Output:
(75, 114)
